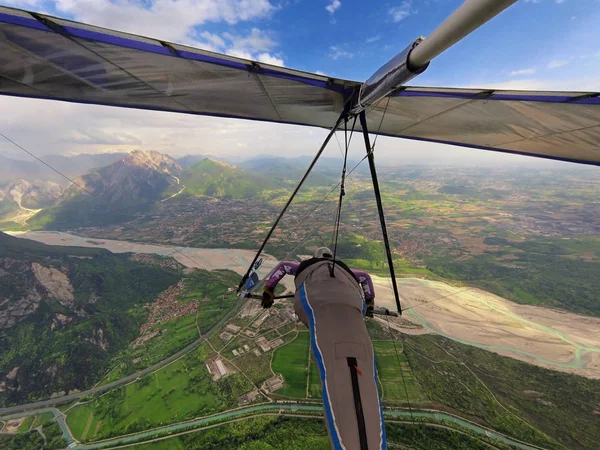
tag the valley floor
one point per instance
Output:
(549, 338)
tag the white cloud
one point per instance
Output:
(535, 84)
(522, 72)
(258, 45)
(372, 39)
(557, 63)
(333, 6)
(171, 20)
(212, 40)
(558, 2)
(270, 59)
(337, 53)
(257, 40)
(318, 72)
(51, 127)
(401, 12)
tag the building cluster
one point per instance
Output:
(166, 307)
(241, 350)
(249, 397)
(272, 384)
(217, 368)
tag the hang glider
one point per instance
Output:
(50, 58)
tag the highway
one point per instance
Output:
(293, 409)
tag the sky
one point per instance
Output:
(535, 44)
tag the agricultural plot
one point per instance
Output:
(257, 368)
(392, 367)
(174, 335)
(82, 422)
(291, 361)
(181, 391)
(314, 380)
(42, 419)
(26, 424)
(211, 311)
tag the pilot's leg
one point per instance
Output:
(343, 353)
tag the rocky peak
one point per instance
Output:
(31, 194)
(153, 160)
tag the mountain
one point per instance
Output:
(71, 166)
(31, 195)
(21, 200)
(190, 160)
(111, 194)
(138, 178)
(64, 312)
(218, 179)
(135, 183)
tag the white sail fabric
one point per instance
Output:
(51, 58)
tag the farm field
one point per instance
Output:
(178, 392)
(390, 360)
(291, 361)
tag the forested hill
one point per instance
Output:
(218, 179)
(64, 311)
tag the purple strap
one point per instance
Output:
(291, 268)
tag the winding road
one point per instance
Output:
(291, 409)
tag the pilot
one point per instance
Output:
(331, 300)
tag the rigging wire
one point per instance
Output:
(401, 369)
(304, 177)
(470, 288)
(367, 155)
(73, 182)
(336, 228)
(381, 122)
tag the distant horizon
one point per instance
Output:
(427, 158)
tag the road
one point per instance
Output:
(58, 416)
(122, 381)
(269, 409)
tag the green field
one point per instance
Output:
(314, 380)
(260, 433)
(178, 392)
(291, 361)
(82, 422)
(177, 333)
(26, 425)
(545, 407)
(42, 419)
(167, 444)
(390, 360)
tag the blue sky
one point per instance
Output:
(537, 39)
(535, 44)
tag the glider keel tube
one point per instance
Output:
(393, 74)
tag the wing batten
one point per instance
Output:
(79, 63)
(157, 47)
(591, 98)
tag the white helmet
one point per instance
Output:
(323, 252)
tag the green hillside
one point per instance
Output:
(217, 179)
(52, 340)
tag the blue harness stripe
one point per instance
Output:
(383, 436)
